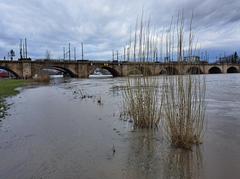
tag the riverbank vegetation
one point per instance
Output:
(8, 88)
(2, 108)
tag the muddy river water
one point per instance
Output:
(51, 132)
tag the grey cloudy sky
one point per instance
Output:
(104, 25)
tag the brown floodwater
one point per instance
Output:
(71, 129)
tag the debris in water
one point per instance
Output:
(113, 149)
(99, 101)
(130, 121)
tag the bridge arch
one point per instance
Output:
(145, 70)
(214, 70)
(65, 71)
(139, 70)
(194, 70)
(171, 71)
(134, 71)
(10, 71)
(114, 72)
(163, 72)
(111, 70)
(232, 70)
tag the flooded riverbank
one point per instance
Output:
(53, 131)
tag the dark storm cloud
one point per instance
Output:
(104, 25)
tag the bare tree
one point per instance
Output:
(11, 54)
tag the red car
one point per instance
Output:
(4, 74)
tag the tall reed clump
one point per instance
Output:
(141, 102)
(184, 95)
(141, 96)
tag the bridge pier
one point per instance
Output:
(224, 68)
(205, 69)
(26, 70)
(83, 70)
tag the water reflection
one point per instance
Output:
(183, 164)
(151, 157)
(143, 155)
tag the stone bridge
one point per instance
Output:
(82, 69)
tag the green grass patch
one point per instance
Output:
(8, 87)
